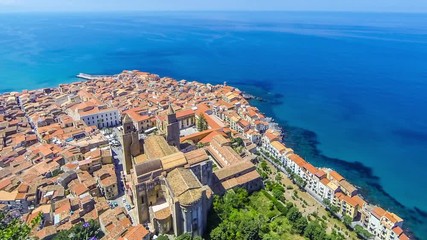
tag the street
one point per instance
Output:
(122, 200)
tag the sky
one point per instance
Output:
(215, 5)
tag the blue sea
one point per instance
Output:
(350, 89)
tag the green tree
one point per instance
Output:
(162, 237)
(327, 202)
(220, 233)
(334, 209)
(314, 231)
(251, 224)
(299, 181)
(300, 225)
(347, 220)
(12, 228)
(277, 193)
(185, 236)
(264, 166)
(200, 145)
(331, 207)
(336, 236)
(201, 123)
(362, 232)
(237, 142)
(278, 177)
(293, 214)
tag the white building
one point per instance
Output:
(95, 115)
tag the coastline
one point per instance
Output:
(311, 140)
(306, 143)
(352, 59)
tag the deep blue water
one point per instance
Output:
(349, 88)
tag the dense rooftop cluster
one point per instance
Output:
(55, 160)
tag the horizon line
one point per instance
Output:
(206, 10)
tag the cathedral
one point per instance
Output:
(169, 189)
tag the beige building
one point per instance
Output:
(189, 201)
(168, 188)
(107, 181)
(156, 181)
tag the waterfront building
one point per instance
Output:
(384, 225)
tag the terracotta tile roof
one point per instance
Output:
(297, 159)
(185, 113)
(336, 176)
(403, 237)
(392, 217)
(4, 183)
(210, 136)
(8, 196)
(359, 200)
(221, 140)
(196, 156)
(278, 146)
(136, 116)
(162, 214)
(347, 186)
(46, 232)
(272, 136)
(324, 181)
(211, 122)
(398, 230)
(173, 161)
(310, 168)
(349, 200)
(137, 232)
(378, 212)
(320, 173)
(184, 186)
(155, 146)
(79, 189)
(230, 171)
(248, 177)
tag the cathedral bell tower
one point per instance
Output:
(172, 128)
(130, 143)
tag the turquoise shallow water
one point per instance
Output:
(349, 89)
